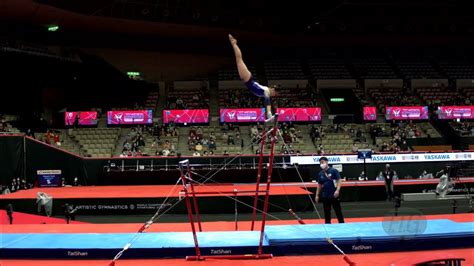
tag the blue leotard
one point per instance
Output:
(258, 90)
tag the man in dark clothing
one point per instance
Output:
(388, 174)
(10, 213)
(328, 190)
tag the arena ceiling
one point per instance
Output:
(203, 24)
(300, 16)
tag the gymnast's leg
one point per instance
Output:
(244, 73)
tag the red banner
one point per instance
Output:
(130, 117)
(86, 118)
(406, 112)
(198, 116)
(370, 113)
(242, 115)
(299, 114)
(455, 112)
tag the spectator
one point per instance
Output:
(253, 132)
(363, 177)
(212, 145)
(404, 146)
(380, 177)
(29, 133)
(230, 140)
(355, 148)
(76, 183)
(286, 137)
(198, 147)
(196, 154)
(384, 147)
(199, 133)
(47, 137)
(179, 103)
(212, 136)
(141, 142)
(426, 175)
(389, 176)
(56, 139)
(4, 190)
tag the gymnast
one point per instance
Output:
(258, 90)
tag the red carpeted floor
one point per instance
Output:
(185, 227)
(160, 191)
(388, 259)
(145, 191)
(25, 219)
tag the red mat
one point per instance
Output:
(36, 220)
(185, 227)
(144, 191)
(161, 191)
(392, 259)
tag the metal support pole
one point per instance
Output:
(259, 173)
(188, 204)
(193, 194)
(267, 190)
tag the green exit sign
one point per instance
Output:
(133, 74)
(53, 28)
(337, 100)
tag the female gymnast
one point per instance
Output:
(258, 90)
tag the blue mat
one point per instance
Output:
(279, 240)
(370, 236)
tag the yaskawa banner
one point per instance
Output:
(387, 158)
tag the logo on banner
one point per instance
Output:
(118, 116)
(437, 157)
(351, 159)
(231, 115)
(384, 158)
(410, 157)
(396, 112)
(449, 112)
(463, 156)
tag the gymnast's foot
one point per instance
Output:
(232, 40)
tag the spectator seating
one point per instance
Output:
(5, 126)
(425, 130)
(329, 140)
(463, 128)
(284, 69)
(329, 69)
(469, 92)
(97, 142)
(417, 69)
(233, 74)
(374, 68)
(238, 98)
(243, 98)
(457, 69)
(152, 100)
(294, 97)
(392, 97)
(188, 98)
(440, 95)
